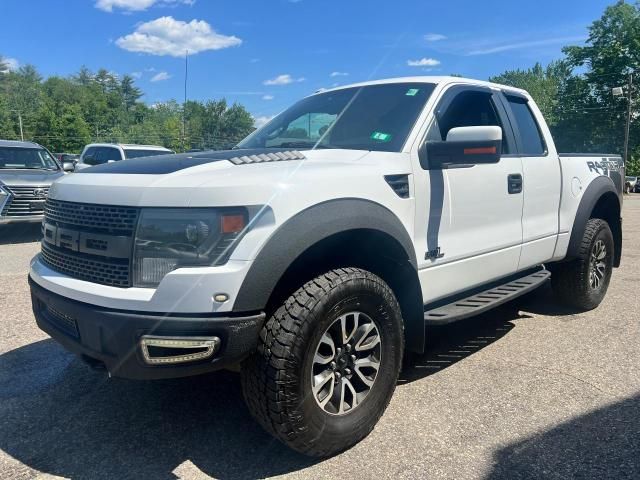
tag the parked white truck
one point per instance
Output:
(314, 254)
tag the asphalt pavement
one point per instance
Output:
(531, 390)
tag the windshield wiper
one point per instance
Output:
(301, 145)
(30, 168)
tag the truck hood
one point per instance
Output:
(209, 178)
(38, 178)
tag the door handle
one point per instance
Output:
(514, 183)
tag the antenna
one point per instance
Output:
(184, 105)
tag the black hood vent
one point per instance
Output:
(163, 164)
(268, 157)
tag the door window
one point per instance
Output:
(530, 136)
(469, 108)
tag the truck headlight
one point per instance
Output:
(170, 238)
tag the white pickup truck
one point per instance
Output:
(315, 253)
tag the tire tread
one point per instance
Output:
(267, 376)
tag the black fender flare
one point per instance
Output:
(593, 193)
(313, 225)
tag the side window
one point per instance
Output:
(91, 152)
(104, 154)
(530, 134)
(469, 108)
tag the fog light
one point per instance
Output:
(158, 350)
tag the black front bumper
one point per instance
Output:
(111, 337)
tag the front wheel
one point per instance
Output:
(583, 282)
(327, 362)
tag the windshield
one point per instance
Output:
(373, 117)
(26, 159)
(131, 153)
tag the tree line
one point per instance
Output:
(575, 94)
(64, 114)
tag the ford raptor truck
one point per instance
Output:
(314, 253)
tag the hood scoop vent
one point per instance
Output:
(268, 157)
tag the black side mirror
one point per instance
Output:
(68, 166)
(89, 160)
(465, 146)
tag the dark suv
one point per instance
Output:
(27, 170)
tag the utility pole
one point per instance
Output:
(184, 105)
(20, 122)
(628, 126)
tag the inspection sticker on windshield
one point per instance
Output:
(381, 136)
(412, 92)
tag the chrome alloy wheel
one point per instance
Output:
(597, 265)
(346, 363)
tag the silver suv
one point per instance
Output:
(27, 170)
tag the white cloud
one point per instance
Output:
(268, 97)
(434, 37)
(168, 36)
(423, 62)
(136, 74)
(339, 74)
(284, 79)
(12, 63)
(136, 5)
(524, 45)
(254, 60)
(160, 76)
(261, 121)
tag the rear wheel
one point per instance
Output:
(583, 282)
(327, 362)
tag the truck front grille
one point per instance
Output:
(92, 217)
(92, 268)
(85, 241)
(25, 201)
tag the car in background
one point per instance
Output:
(68, 157)
(27, 170)
(99, 153)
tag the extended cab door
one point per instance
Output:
(541, 180)
(468, 217)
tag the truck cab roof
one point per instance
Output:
(18, 144)
(438, 80)
(130, 146)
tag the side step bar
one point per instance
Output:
(483, 301)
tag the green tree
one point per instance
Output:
(74, 132)
(543, 83)
(66, 113)
(130, 93)
(611, 53)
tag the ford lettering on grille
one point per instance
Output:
(89, 242)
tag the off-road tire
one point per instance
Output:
(277, 378)
(571, 280)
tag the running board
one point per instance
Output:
(483, 301)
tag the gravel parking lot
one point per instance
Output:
(528, 391)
